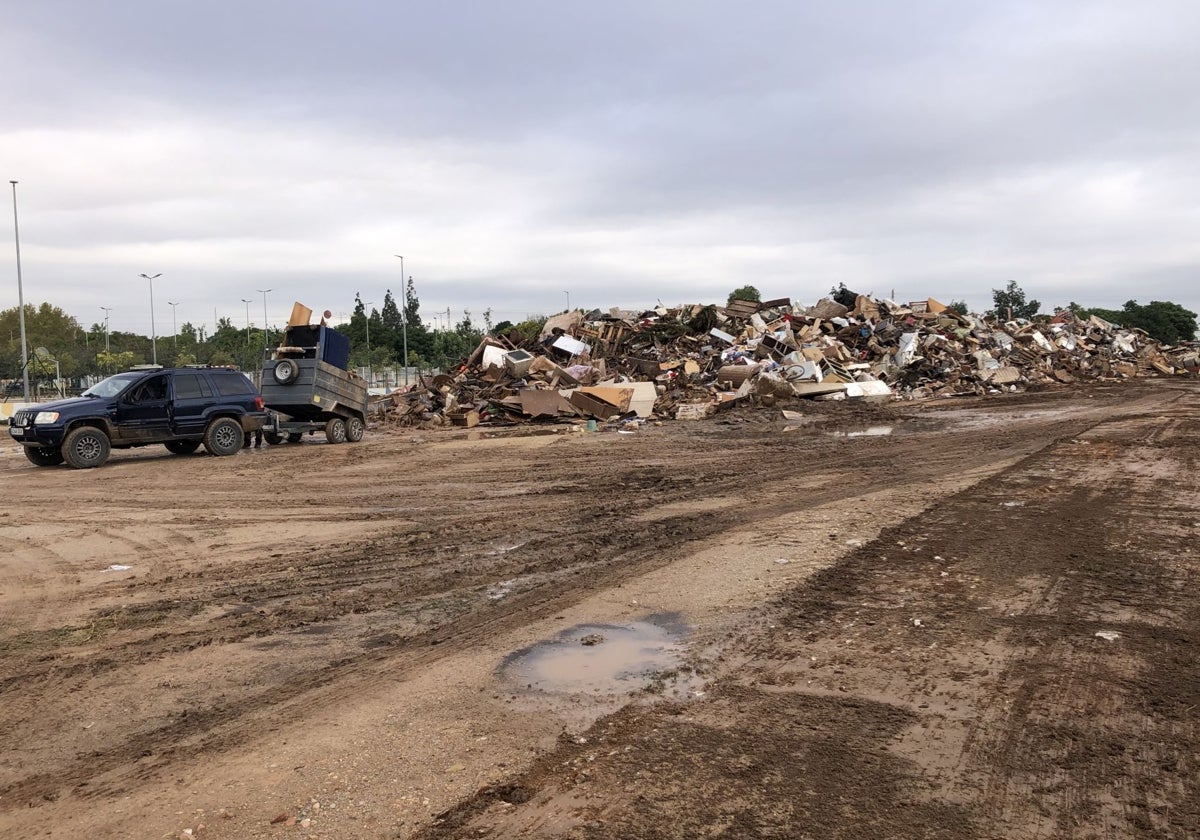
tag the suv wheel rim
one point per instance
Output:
(226, 437)
(88, 447)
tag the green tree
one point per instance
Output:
(114, 362)
(1010, 302)
(744, 293)
(45, 326)
(391, 325)
(420, 339)
(959, 306)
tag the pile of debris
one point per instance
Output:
(692, 361)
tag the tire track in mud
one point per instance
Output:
(870, 465)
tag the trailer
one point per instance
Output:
(308, 388)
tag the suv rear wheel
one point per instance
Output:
(182, 447)
(224, 436)
(85, 447)
(43, 456)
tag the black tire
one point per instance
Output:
(286, 371)
(85, 447)
(295, 437)
(273, 438)
(182, 447)
(354, 429)
(43, 456)
(335, 430)
(224, 436)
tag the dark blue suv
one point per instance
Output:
(177, 407)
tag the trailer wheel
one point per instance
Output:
(224, 436)
(286, 371)
(273, 438)
(354, 430)
(335, 430)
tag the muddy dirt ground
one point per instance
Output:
(962, 619)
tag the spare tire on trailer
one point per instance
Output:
(286, 371)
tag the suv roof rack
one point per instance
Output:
(145, 367)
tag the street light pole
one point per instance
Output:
(404, 318)
(568, 294)
(263, 292)
(20, 296)
(174, 323)
(107, 310)
(247, 301)
(153, 334)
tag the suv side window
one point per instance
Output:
(151, 390)
(187, 386)
(232, 384)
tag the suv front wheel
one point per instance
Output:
(43, 456)
(223, 436)
(85, 447)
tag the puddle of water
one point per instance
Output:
(869, 431)
(606, 660)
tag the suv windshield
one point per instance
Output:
(113, 385)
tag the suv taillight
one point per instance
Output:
(258, 403)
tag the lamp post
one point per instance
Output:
(368, 323)
(568, 294)
(263, 292)
(404, 317)
(153, 335)
(247, 301)
(174, 323)
(107, 310)
(20, 296)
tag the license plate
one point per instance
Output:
(16, 431)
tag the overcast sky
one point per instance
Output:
(622, 152)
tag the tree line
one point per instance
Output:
(58, 345)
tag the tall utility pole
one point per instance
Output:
(20, 296)
(247, 301)
(404, 319)
(153, 335)
(266, 323)
(174, 324)
(107, 310)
